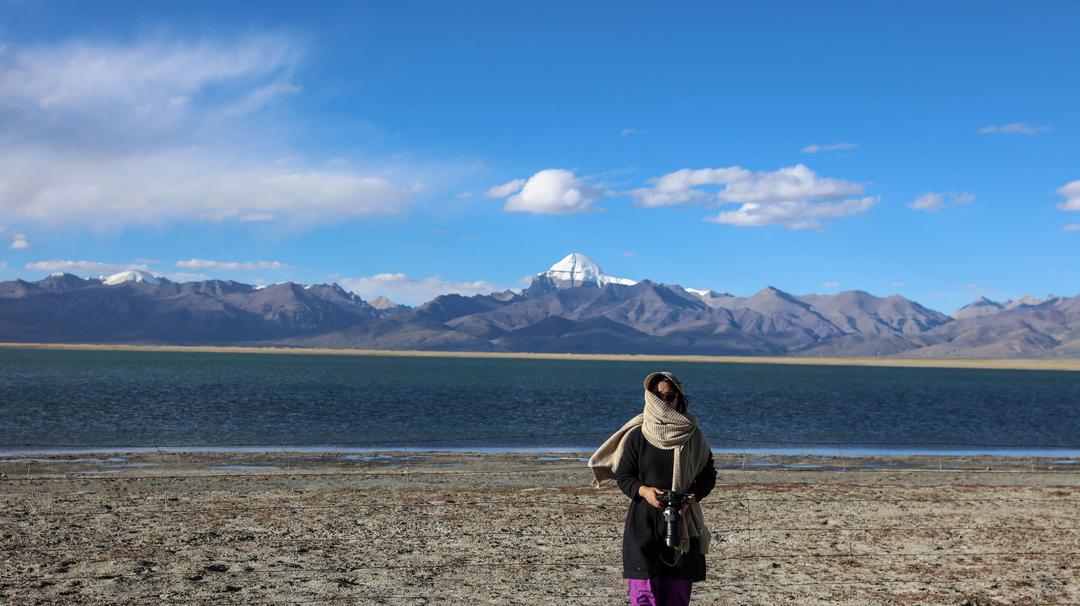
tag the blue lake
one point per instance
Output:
(98, 400)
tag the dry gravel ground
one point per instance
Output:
(454, 528)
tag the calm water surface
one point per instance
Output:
(75, 399)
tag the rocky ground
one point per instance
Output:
(458, 528)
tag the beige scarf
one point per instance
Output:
(667, 429)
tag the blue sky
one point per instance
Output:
(407, 149)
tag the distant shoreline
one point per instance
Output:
(972, 363)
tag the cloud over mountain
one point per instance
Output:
(229, 265)
(413, 291)
(553, 191)
(54, 265)
(795, 196)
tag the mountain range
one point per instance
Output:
(573, 307)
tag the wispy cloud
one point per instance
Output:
(935, 201)
(1071, 227)
(1071, 192)
(830, 285)
(83, 266)
(182, 185)
(553, 191)
(401, 288)
(506, 189)
(841, 146)
(1013, 128)
(629, 132)
(229, 265)
(183, 276)
(154, 85)
(795, 196)
(108, 135)
(19, 242)
(255, 218)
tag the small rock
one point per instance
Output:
(217, 568)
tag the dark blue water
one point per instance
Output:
(81, 399)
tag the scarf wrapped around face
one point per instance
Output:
(667, 429)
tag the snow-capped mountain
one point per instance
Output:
(576, 269)
(131, 275)
(572, 307)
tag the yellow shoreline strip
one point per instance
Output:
(1011, 364)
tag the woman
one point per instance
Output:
(658, 451)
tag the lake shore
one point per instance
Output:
(973, 363)
(525, 528)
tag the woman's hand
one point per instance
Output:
(650, 494)
(690, 498)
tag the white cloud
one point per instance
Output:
(553, 191)
(1071, 192)
(255, 218)
(794, 196)
(1013, 128)
(401, 288)
(19, 242)
(793, 214)
(182, 276)
(506, 189)
(817, 149)
(155, 84)
(627, 132)
(229, 265)
(1071, 227)
(930, 201)
(897, 285)
(962, 197)
(934, 201)
(83, 266)
(155, 132)
(793, 184)
(181, 185)
(679, 187)
(830, 284)
(3, 264)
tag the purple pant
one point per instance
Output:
(659, 591)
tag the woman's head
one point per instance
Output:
(668, 388)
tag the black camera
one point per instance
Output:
(672, 501)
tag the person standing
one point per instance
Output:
(659, 451)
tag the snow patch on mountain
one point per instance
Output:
(576, 269)
(131, 275)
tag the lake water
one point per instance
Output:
(91, 400)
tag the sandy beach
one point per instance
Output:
(988, 363)
(464, 528)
